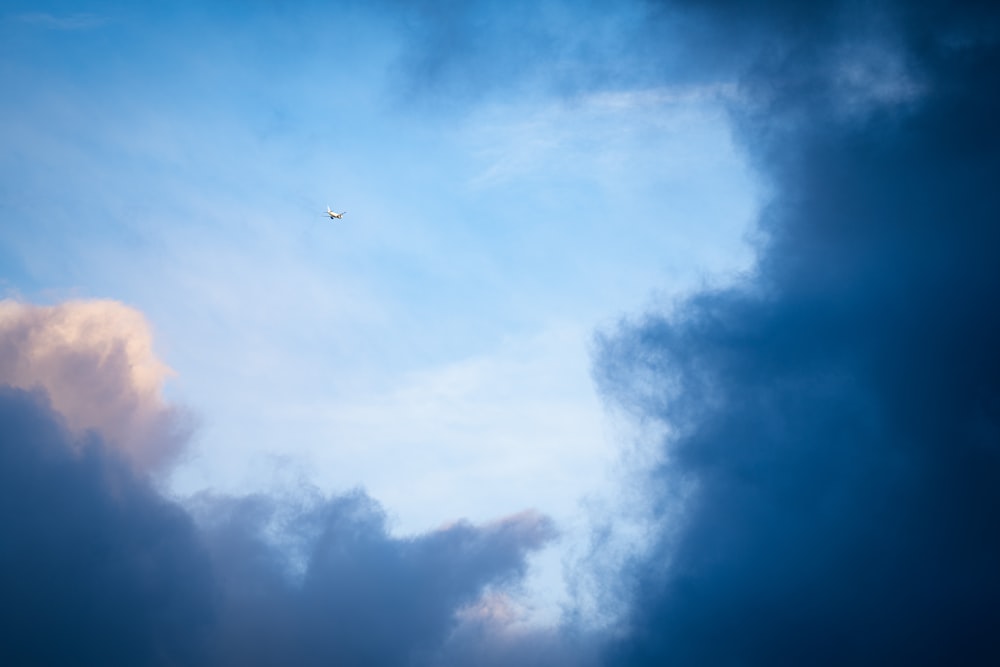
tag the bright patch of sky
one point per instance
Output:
(433, 346)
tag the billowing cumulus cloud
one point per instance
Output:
(326, 584)
(832, 463)
(98, 568)
(95, 361)
(95, 567)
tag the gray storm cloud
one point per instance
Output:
(98, 568)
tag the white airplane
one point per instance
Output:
(333, 215)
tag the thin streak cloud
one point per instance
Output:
(62, 22)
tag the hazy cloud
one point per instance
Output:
(457, 52)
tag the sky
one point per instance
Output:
(656, 332)
(434, 346)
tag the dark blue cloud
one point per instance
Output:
(335, 588)
(97, 568)
(835, 419)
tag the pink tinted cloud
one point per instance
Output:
(95, 361)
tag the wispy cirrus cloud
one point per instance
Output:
(67, 22)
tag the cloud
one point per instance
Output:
(97, 567)
(67, 22)
(828, 485)
(95, 361)
(490, 636)
(350, 593)
(456, 52)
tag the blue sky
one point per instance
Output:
(434, 347)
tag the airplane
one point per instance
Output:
(333, 215)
